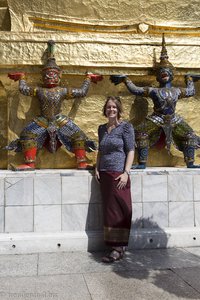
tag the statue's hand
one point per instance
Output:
(117, 79)
(194, 77)
(94, 77)
(16, 75)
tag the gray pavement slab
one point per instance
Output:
(143, 275)
(63, 287)
(71, 263)
(18, 265)
(83, 262)
(191, 276)
(139, 285)
(159, 259)
(194, 250)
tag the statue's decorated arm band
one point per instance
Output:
(25, 89)
(135, 90)
(79, 92)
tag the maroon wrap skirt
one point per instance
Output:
(117, 209)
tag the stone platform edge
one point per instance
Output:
(27, 243)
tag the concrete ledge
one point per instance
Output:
(18, 243)
(23, 243)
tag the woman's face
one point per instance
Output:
(111, 109)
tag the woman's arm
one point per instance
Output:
(129, 161)
(97, 167)
(123, 178)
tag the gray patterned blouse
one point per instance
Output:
(114, 146)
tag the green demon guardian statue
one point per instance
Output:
(163, 122)
(52, 129)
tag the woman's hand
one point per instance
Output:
(97, 177)
(123, 178)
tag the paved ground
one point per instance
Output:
(144, 274)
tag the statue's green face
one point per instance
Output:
(164, 75)
(51, 78)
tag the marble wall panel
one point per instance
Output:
(196, 179)
(75, 189)
(136, 188)
(47, 190)
(18, 191)
(2, 219)
(154, 188)
(181, 214)
(2, 191)
(137, 215)
(19, 219)
(47, 218)
(180, 187)
(74, 217)
(155, 214)
(197, 213)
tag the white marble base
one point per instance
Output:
(60, 210)
(18, 243)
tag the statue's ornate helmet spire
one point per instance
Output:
(51, 61)
(164, 62)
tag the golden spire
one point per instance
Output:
(164, 62)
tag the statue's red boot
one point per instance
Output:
(81, 159)
(29, 157)
(23, 167)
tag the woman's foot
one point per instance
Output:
(116, 253)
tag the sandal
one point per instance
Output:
(114, 255)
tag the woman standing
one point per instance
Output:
(114, 160)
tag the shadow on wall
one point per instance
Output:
(145, 234)
(94, 219)
(139, 110)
